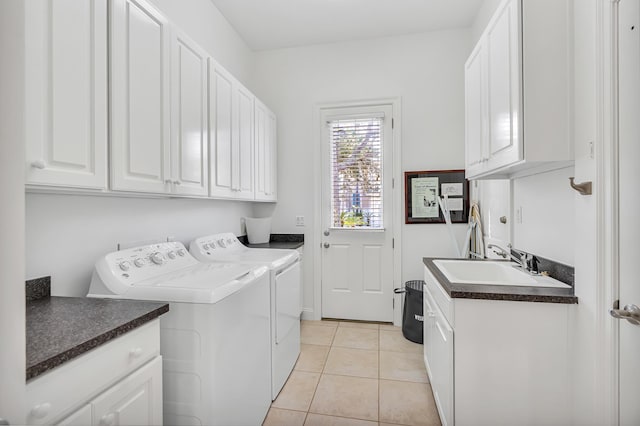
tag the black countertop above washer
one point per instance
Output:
(277, 241)
(500, 292)
(60, 329)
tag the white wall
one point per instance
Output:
(425, 70)
(66, 234)
(204, 23)
(546, 225)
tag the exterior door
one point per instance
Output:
(629, 251)
(357, 240)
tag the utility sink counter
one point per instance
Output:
(522, 292)
(497, 350)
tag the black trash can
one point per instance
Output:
(412, 319)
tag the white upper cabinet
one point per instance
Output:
(140, 98)
(476, 111)
(221, 123)
(66, 93)
(265, 153)
(517, 91)
(244, 172)
(189, 139)
(231, 136)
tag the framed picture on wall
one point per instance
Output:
(423, 189)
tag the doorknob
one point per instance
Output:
(630, 312)
(326, 233)
(327, 245)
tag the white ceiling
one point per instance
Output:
(274, 24)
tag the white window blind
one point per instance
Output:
(356, 172)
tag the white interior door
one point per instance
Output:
(357, 253)
(629, 54)
(12, 243)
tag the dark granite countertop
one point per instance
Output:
(62, 328)
(500, 292)
(278, 241)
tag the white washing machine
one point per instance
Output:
(215, 338)
(285, 278)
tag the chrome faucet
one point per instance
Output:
(525, 260)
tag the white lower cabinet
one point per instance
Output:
(136, 400)
(493, 362)
(118, 383)
(81, 417)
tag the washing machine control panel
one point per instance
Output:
(140, 263)
(213, 245)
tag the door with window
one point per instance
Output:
(357, 234)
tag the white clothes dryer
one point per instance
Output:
(285, 278)
(215, 338)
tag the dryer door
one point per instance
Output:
(287, 309)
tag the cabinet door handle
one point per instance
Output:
(177, 182)
(41, 411)
(135, 352)
(38, 164)
(167, 181)
(107, 419)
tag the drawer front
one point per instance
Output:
(442, 299)
(63, 389)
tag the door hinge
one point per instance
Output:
(393, 182)
(394, 302)
(393, 243)
(392, 123)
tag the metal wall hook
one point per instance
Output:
(583, 188)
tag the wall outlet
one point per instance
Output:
(299, 220)
(519, 214)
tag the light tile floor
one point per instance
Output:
(355, 374)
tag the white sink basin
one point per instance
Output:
(492, 273)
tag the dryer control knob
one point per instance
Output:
(221, 243)
(139, 263)
(125, 265)
(181, 253)
(205, 246)
(172, 255)
(157, 258)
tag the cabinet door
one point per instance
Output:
(244, 171)
(271, 169)
(140, 97)
(428, 335)
(442, 381)
(81, 417)
(189, 159)
(136, 400)
(503, 43)
(221, 132)
(476, 138)
(265, 152)
(66, 93)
